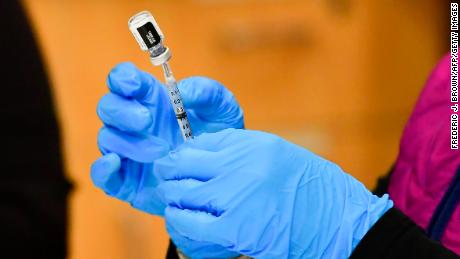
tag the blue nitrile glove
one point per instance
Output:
(259, 195)
(140, 126)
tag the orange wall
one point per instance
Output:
(338, 77)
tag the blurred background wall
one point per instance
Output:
(336, 76)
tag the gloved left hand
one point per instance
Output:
(140, 126)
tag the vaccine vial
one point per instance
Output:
(149, 36)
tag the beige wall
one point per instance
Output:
(338, 77)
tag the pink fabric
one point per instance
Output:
(426, 165)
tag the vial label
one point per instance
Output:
(149, 35)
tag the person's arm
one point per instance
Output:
(396, 236)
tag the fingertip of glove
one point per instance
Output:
(140, 148)
(199, 90)
(124, 114)
(164, 166)
(211, 140)
(126, 80)
(103, 168)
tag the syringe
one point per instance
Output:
(150, 38)
(176, 101)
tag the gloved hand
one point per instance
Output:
(140, 126)
(259, 195)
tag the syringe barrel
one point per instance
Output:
(177, 103)
(178, 106)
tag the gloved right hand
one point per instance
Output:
(259, 195)
(140, 126)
